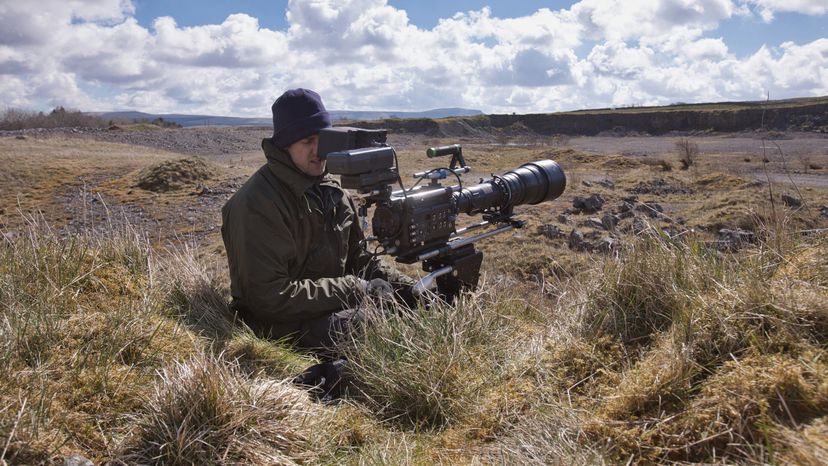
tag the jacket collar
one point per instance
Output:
(283, 168)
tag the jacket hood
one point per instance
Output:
(283, 168)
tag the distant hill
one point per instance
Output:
(801, 114)
(212, 120)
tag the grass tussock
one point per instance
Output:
(680, 353)
(80, 332)
(205, 411)
(669, 351)
(434, 367)
(100, 334)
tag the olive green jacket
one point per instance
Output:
(288, 262)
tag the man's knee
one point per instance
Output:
(321, 334)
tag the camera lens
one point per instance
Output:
(531, 183)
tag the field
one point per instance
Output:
(671, 306)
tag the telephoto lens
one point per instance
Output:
(531, 183)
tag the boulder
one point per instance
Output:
(792, 202)
(607, 183)
(610, 221)
(576, 242)
(607, 245)
(551, 231)
(625, 207)
(77, 460)
(731, 240)
(651, 209)
(588, 205)
(594, 222)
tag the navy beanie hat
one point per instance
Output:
(297, 114)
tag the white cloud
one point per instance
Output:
(620, 20)
(767, 8)
(238, 42)
(366, 54)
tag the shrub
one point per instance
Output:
(688, 152)
(15, 119)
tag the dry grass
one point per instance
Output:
(44, 174)
(430, 368)
(712, 354)
(205, 411)
(669, 351)
(176, 174)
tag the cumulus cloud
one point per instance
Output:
(366, 54)
(632, 19)
(767, 8)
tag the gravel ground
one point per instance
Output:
(238, 149)
(799, 144)
(198, 140)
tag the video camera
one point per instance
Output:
(418, 224)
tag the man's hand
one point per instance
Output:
(379, 288)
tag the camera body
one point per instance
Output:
(420, 224)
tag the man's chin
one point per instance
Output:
(316, 170)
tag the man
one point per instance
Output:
(292, 237)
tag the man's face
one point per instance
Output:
(304, 155)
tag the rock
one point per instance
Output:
(625, 207)
(607, 183)
(791, 201)
(660, 187)
(626, 214)
(588, 205)
(550, 231)
(77, 460)
(8, 237)
(586, 183)
(731, 240)
(606, 245)
(639, 226)
(563, 218)
(610, 221)
(823, 211)
(21, 136)
(652, 209)
(594, 222)
(630, 199)
(576, 241)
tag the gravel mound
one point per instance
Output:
(175, 174)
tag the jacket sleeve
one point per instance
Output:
(264, 252)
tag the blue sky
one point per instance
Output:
(234, 57)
